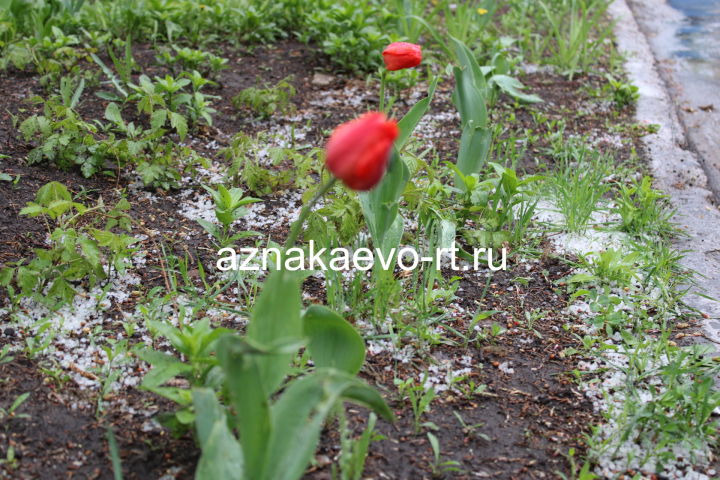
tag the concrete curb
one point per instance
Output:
(659, 22)
(677, 170)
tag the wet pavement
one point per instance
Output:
(698, 36)
(685, 38)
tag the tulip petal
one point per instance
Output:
(358, 151)
(400, 55)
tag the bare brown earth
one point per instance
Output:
(528, 420)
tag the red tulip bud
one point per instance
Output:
(401, 55)
(358, 151)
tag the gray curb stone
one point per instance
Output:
(677, 169)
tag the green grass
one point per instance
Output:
(578, 183)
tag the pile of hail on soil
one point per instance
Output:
(553, 342)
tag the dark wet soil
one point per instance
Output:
(526, 420)
(53, 439)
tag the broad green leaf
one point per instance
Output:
(469, 100)
(210, 228)
(179, 123)
(185, 416)
(244, 379)
(435, 445)
(217, 197)
(27, 279)
(173, 334)
(300, 413)
(57, 207)
(393, 236)
(158, 119)
(60, 288)
(51, 192)
(467, 61)
(157, 358)
(582, 278)
(32, 210)
(483, 315)
(90, 250)
(276, 317)
(113, 97)
(474, 147)
(112, 113)
(103, 237)
(364, 394)
(471, 89)
(487, 69)
(6, 276)
(380, 206)
(446, 234)
(207, 411)
(178, 395)
(222, 457)
(298, 417)
(333, 342)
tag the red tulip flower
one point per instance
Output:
(358, 151)
(401, 55)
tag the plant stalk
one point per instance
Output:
(383, 81)
(306, 209)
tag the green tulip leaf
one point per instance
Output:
(244, 381)
(333, 342)
(380, 206)
(276, 318)
(474, 148)
(363, 394)
(300, 413)
(469, 100)
(222, 456)
(411, 119)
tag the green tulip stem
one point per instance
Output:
(383, 81)
(306, 209)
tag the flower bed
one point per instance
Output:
(134, 158)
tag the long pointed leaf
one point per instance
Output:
(299, 414)
(380, 206)
(411, 119)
